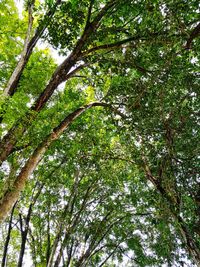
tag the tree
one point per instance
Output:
(130, 67)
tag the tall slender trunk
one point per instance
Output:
(24, 233)
(5, 251)
(68, 210)
(48, 250)
(69, 253)
(53, 250)
(29, 44)
(60, 253)
(22, 249)
(189, 241)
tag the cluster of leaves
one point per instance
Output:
(11, 36)
(120, 186)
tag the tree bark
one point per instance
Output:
(69, 253)
(68, 209)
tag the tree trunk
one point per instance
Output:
(24, 233)
(22, 249)
(29, 44)
(48, 250)
(3, 264)
(60, 253)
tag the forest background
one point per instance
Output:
(99, 152)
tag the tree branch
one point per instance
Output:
(10, 196)
(194, 34)
(110, 46)
(29, 44)
(89, 14)
(5, 251)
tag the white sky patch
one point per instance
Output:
(163, 9)
(41, 44)
(54, 53)
(194, 60)
(102, 5)
(19, 4)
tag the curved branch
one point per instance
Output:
(110, 46)
(11, 195)
(8, 142)
(89, 13)
(194, 34)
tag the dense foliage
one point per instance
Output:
(100, 154)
